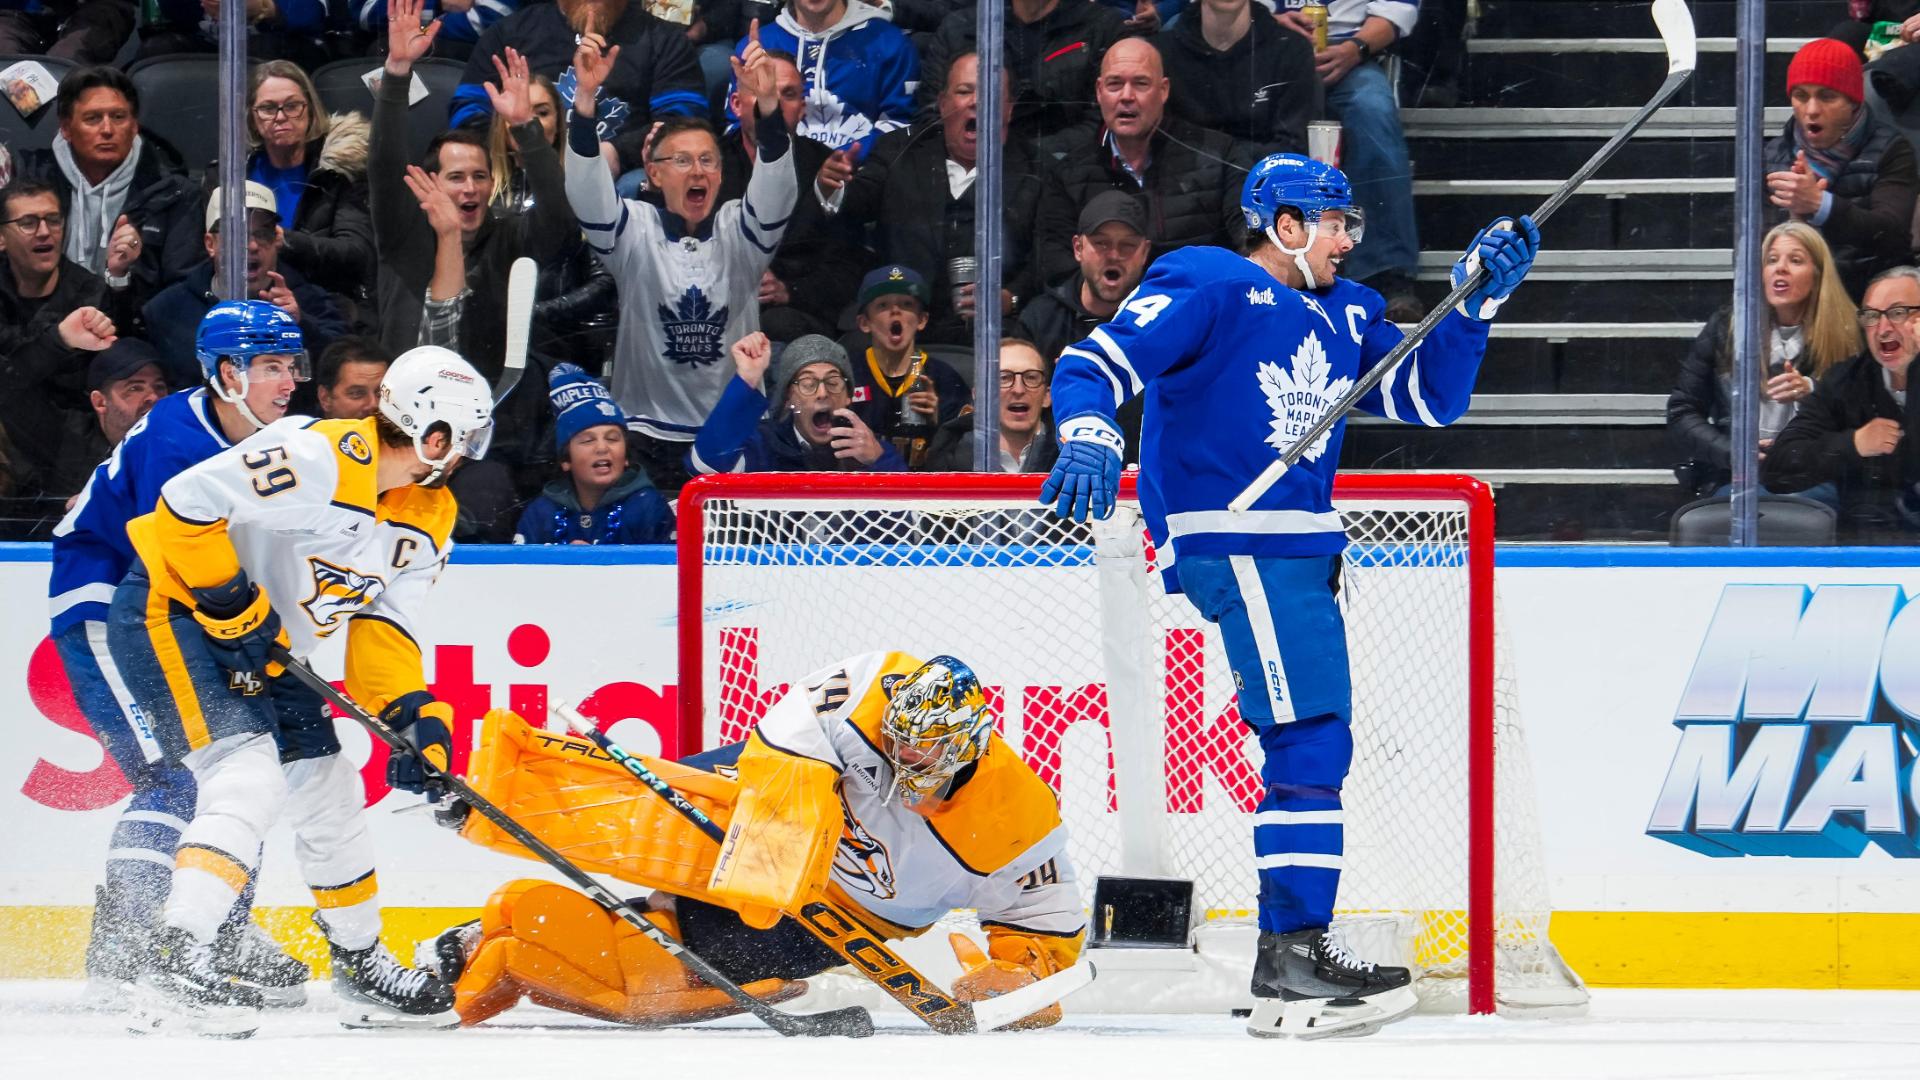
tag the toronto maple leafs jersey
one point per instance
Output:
(859, 75)
(297, 507)
(685, 297)
(996, 844)
(1235, 366)
(91, 552)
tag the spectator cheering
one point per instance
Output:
(812, 429)
(597, 499)
(1234, 69)
(689, 273)
(1110, 246)
(1812, 330)
(53, 315)
(466, 20)
(653, 73)
(173, 317)
(858, 69)
(1187, 177)
(1851, 432)
(1373, 146)
(1027, 443)
(916, 187)
(899, 391)
(122, 191)
(1052, 49)
(347, 378)
(1839, 169)
(316, 166)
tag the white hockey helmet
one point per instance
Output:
(429, 386)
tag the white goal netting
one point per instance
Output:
(1119, 695)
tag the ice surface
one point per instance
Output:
(1668, 1033)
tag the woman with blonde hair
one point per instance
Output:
(510, 189)
(1811, 327)
(316, 165)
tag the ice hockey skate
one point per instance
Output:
(378, 991)
(115, 946)
(446, 954)
(251, 958)
(182, 989)
(1309, 986)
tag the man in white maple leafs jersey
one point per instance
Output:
(688, 273)
(1237, 356)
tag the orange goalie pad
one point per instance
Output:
(572, 795)
(558, 948)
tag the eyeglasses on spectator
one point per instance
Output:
(1898, 313)
(294, 108)
(685, 162)
(1032, 380)
(30, 223)
(807, 384)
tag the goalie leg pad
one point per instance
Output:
(562, 950)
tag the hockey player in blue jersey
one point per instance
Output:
(91, 554)
(1236, 357)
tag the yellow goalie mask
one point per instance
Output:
(937, 723)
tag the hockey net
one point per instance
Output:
(1119, 695)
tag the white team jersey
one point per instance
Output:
(906, 868)
(303, 514)
(684, 299)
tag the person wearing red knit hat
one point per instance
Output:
(1841, 171)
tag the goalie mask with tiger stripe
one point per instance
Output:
(937, 723)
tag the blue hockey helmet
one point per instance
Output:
(1303, 184)
(240, 330)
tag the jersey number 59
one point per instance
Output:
(274, 479)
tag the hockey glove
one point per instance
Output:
(428, 726)
(1506, 249)
(241, 627)
(984, 977)
(1087, 475)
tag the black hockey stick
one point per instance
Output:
(841, 931)
(1675, 23)
(852, 1021)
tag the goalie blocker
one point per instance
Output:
(877, 782)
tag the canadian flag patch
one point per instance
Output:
(863, 393)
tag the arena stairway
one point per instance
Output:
(1569, 420)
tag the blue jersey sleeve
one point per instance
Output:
(723, 438)
(1165, 322)
(1434, 384)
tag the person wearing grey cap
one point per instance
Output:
(1110, 245)
(811, 428)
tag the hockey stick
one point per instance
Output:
(521, 282)
(1675, 24)
(845, 934)
(852, 1021)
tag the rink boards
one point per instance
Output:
(1724, 745)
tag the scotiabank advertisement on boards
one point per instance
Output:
(1723, 755)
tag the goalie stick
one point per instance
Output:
(1675, 24)
(845, 934)
(521, 282)
(852, 1021)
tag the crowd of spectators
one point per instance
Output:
(754, 223)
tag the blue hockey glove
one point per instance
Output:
(427, 724)
(1506, 249)
(1087, 475)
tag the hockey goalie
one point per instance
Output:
(878, 782)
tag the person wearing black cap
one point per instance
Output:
(123, 382)
(893, 312)
(1110, 245)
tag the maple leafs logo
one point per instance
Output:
(827, 119)
(610, 113)
(1299, 396)
(693, 328)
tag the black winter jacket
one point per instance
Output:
(173, 320)
(952, 449)
(331, 241)
(1263, 90)
(1870, 227)
(44, 408)
(1817, 447)
(1191, 193)
(820, 259)
(162, 203)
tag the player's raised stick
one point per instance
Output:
(842, 932)
(522, 280)
(852, 1021)
(1675, 24)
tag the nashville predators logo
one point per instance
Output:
(353, 446)
(338, 591)
(862, 861)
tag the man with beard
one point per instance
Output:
(893, 311)
(53, 316)
(655, 74)
(1187, 177)
(123, 191)
(1111, 247)
(812, 430)
(916, 187)
(173, 317)
(688, 272)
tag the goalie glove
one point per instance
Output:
(984, 977)
(1087, 475)
(428, 725)
(1506, 249)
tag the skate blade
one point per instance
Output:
(153, 1013)
(1313, 1018)
(374, 1017)
(282, 997)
